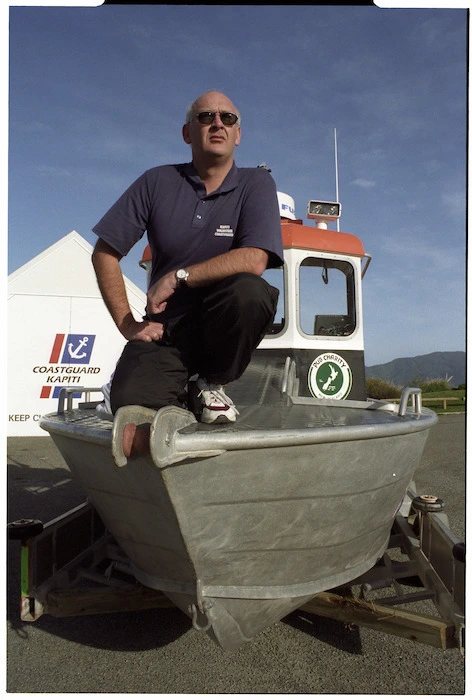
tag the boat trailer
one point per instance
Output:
(73, 566)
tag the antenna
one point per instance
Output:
(336, 171)
(322, 211)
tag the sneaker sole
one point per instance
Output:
(219, 419)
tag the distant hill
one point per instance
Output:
(436, 365)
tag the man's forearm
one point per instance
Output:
(252, 260)
(202, 274)
(111, 283)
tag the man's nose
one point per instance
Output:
(217, 121)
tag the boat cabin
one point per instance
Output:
(317, 337)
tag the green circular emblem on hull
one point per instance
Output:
(329, 377)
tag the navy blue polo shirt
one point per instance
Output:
(186, 226)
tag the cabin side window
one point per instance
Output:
(275, 277)
(327, 297)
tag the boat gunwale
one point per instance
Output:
(281, 437)
(168, 446)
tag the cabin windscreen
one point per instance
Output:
(327, 297)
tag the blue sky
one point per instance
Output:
(98, 95)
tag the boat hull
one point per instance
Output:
(239, 538)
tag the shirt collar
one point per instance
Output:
(230, 182)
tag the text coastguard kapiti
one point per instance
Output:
(64, 375)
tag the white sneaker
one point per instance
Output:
(217, 407)
(104, 408)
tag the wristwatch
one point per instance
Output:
(182, 276)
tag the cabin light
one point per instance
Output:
(323, 211)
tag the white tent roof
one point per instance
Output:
(73, 274)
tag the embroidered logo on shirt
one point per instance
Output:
(224, 230)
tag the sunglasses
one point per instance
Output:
(228, 118)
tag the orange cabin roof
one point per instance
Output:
(295, 235)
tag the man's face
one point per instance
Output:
(213, 140)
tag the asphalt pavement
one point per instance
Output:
(158, 651)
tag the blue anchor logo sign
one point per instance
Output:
(75, 353)
(78, 349)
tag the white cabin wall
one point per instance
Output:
(293, 335)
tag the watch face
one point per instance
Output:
(181, 275)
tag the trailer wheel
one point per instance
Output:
(24, 529)
(428, 504)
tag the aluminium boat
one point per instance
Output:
(241, 524)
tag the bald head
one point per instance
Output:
(211, 100)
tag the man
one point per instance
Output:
(213, 229)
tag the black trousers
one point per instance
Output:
(216, 341)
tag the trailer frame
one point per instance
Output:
(73, 566)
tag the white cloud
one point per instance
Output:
(140, 31)
(53, 171)
(31, 128)
(365, 184)
(454, 202)
(421, 255)
(436, 33)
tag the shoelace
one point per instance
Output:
(219, 395)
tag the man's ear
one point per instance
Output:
(238, 137)
(186, 134)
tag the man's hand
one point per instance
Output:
(159, 292)
(142, 330)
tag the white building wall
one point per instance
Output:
(59, 332)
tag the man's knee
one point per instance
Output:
(243, 303)
(148, 374)
(249, 290)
